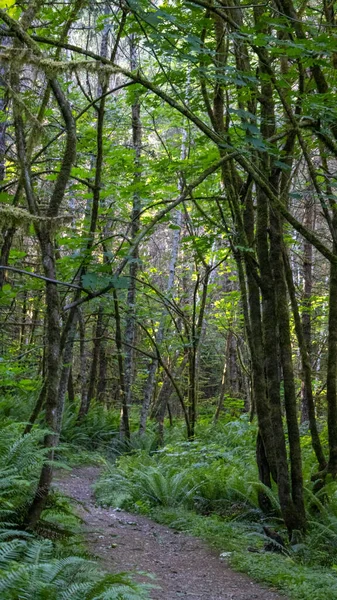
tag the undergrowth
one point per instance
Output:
(209, 488)
(43, 565)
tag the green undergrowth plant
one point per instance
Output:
(209, 487)
(50, 562)
(21, 458)
(29, 570)
(95, 431)
(17, 406)
(298, 581)
(211, 474)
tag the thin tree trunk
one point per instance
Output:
(83, 363)
(264, 474)
(22, 342)
(71, 387)
(130, 326)
(66, 369)
(306, 394)
(222, 392)
(102, 367)
(196, 329)
(97, 334)
(102, 86)
(7, 234)
(306, 366)
(122, 391)
(331, 388)
(163, 399)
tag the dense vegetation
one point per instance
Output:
(168, 267)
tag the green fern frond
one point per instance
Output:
(10, 551)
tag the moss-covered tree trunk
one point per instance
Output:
(331, 387)
(297, 517)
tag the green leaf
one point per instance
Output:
(97, 281)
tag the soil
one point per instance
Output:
(184, 566)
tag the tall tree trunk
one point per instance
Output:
(102, 367)
(67, 357)
(222, 391)
(97, 334)
(331, 387)
(47, 248)
(125, 428)
(53, 359)
(83, 361)
(306, 311)
(102, 86)
(130, 326)
(71, 387)
(7, 234)
(195, 334)
(297, 518)
(306, 367)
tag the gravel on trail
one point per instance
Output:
(183, 566)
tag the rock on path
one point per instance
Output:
(184, 566)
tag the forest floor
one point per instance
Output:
(183, 566)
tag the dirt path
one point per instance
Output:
(184, 566)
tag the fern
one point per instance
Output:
(31, 568)
(29, 571)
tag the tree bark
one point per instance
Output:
(306, 311)
(130, 326)
(67, 357)
(297, 516)
(331, 388)
(125, 429)
(306, 367)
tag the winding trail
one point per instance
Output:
(184, 566)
